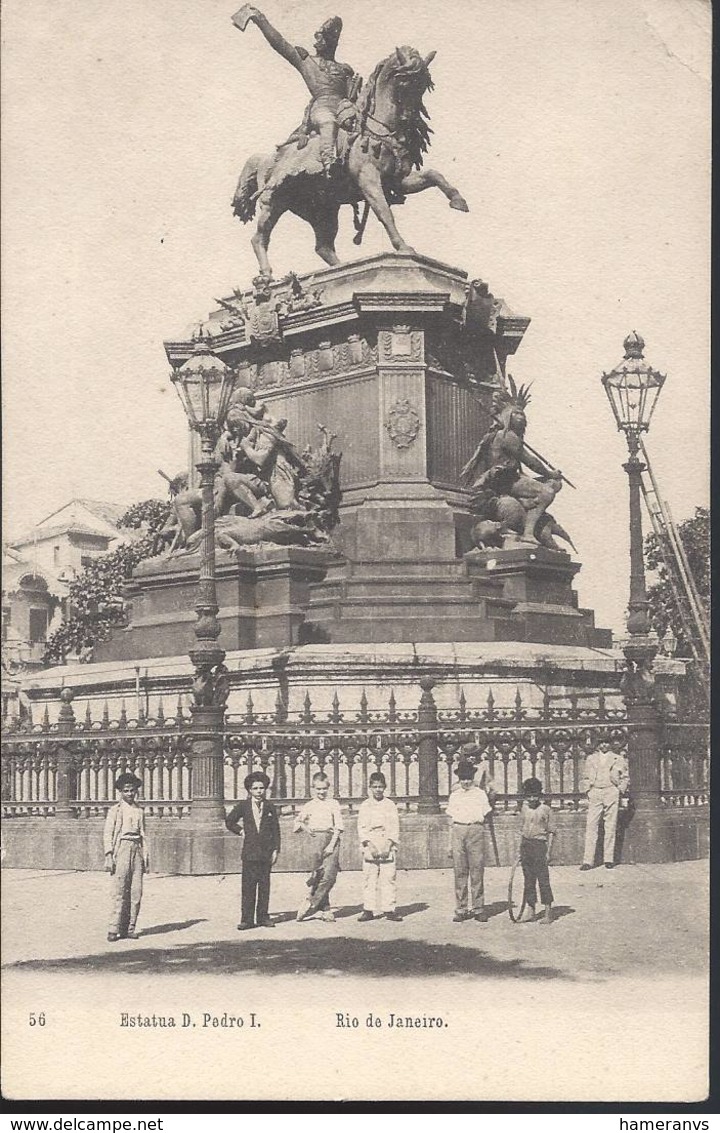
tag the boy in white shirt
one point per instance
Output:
(468, 808)
(379, 833)
(321, 820)
(126, 858)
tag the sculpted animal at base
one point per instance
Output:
(510, 523)
(319, 492)
(284, 528)
(351, 148)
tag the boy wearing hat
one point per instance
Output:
(379, 834)
(126, 858)
(256, 819)
(468, 808)
(536, 838)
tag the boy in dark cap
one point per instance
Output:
(126, 858)
(536, 839)
(468, 808)
(257, 820)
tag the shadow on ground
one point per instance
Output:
(339, 956)
(171, 926)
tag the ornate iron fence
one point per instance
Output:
(68, 768)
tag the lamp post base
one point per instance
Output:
(208, 722)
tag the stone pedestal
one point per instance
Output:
(538, 583)
(398, 356)
(262, 592)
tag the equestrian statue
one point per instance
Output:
(354, 146)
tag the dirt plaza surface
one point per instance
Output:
(610, 1001)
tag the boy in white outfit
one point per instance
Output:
(126, 858)
(379, 833)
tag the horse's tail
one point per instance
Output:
(246, 194)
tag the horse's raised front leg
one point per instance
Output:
(370, 185)
(430, 178)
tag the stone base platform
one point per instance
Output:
(522, 593)
(262, 594)
(321, 671)
(178, 847)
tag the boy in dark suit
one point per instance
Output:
(257, 820)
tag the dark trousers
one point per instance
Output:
(255, 892)
(533, 859)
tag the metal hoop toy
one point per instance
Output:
(510, 903)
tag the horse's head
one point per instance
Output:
(407, 73)
(394, 95)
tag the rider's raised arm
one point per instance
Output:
(272, 35)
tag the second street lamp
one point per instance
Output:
(205, 386)
(633, 388)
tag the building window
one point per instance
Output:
(5, 622)
(85, 560)
(56, 556)
(38, 625)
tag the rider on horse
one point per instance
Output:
(333, 85)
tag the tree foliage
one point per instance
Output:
(95, 599)
(694, 534)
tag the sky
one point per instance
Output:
(577, 130)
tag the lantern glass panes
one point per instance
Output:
(205, 386)
(633, 388)
(633, 395)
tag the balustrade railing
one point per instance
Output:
(68, 768)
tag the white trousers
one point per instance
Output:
(379, 889)
(603, 802)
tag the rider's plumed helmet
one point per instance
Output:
(330, 31)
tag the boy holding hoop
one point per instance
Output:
(537, 831)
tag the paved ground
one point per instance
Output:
(609, 1001)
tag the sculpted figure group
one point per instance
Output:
(509, 504)
(265, 490)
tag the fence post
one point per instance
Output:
(429, 801)
(66, 776)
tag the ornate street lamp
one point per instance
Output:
(205, 386)
(633, 388)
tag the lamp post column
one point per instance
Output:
(638, 681)
(637, 622)
(210, 685)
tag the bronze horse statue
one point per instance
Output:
(381, 152)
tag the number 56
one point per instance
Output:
(37, 1020)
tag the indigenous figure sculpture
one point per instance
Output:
(350, 147)
(264, 490)
(506, 500)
